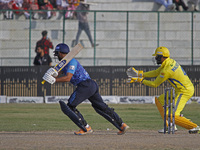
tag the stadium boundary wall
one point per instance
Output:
(26, 82)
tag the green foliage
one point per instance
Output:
(49, 117)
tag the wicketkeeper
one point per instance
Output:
(171, 71)
(86, 88)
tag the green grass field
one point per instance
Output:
(48, 117)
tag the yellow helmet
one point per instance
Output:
(162, 51)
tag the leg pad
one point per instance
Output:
(72, 115)
(184, 122)
(160, 109)
(109, 115)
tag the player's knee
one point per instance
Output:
(177, 113)
(73, 108)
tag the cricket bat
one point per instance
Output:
(75, 50)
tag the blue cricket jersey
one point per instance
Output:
(79, 73)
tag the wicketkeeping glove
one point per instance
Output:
(132, 72)
(52, 72)
(135, 79)
(49, 78)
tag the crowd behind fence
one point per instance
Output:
(124, 37)
(26, 81)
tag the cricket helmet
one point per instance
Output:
(162, 51)
(63, 48)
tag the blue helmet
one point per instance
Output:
(63, 48)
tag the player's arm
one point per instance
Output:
(138, 75)
(163, 76)
(52, 77)
(66, 78)
(132, 72)
(69, 72)
(50, 44)
(153, 73)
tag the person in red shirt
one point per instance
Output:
(45, 42)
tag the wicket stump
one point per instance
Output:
(170, 98)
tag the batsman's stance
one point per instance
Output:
(86, 88)
(169, 70)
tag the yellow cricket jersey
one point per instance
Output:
(170, 70)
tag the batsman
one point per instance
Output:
(86, 88)
(171, 71)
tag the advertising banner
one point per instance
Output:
(16, 99)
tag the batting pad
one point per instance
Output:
(72, 115)
(160, 109)
(184, 122)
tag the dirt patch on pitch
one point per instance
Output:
(99, 140)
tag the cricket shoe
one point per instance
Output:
(194, 130)
(162, 130)
(81, 132)
(124, 128)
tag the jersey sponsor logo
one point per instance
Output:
(72, 67)
(162, 75)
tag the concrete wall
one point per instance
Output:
(111, 35)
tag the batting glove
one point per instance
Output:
(132, 72)
(52, 72)
(49, 78)
(136, 79)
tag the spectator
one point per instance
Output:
(31, 5)
(6, 5)
(45, 41)
(83, 22)
(168, 4)
(180, 3)
(76, 3)
(53, 3)
(41, 58)
(192, 5)
(46, 5)
(16, 5)
(62, 4)
(70, 14)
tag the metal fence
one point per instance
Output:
(26, 81)
(124, 37)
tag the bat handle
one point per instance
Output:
(43, 81)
